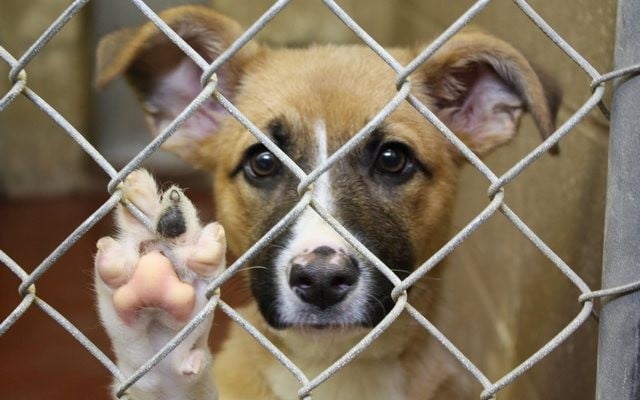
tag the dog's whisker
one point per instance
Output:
(253, 267)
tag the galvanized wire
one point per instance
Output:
(26, 301)
(610, 292)
(18, 84)
(627, 72)
(27, 288)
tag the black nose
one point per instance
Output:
(323, 277)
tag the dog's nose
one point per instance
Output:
(323, 277)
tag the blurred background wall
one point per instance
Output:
(502, 298)
(60, 75)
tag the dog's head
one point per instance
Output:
(393, 191)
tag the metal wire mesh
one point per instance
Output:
(497, 203)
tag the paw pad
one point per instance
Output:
(154, 284)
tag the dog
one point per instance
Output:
(313, 295)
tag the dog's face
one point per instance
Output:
(402, 173)
(393, 191)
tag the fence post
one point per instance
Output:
(619, 341)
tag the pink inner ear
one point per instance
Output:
(172, 93)
(489, 113)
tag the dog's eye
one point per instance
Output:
(393, 158)
(261, 163)
(394, 163)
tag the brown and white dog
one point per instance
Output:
(314, 296)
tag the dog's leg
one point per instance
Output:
(150, 284)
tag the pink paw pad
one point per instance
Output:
(154, 283)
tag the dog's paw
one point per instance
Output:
(160, 269)
(150, 284)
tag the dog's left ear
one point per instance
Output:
(479, 87)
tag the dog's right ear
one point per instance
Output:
(166, 80)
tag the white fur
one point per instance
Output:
(322, 187)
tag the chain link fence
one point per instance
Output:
(495, 191)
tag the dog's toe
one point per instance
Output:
(193, 363)
(140, 188)
(111, 262)
(208, 256)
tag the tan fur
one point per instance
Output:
(344, 86)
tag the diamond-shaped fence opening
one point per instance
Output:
(497, 199)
